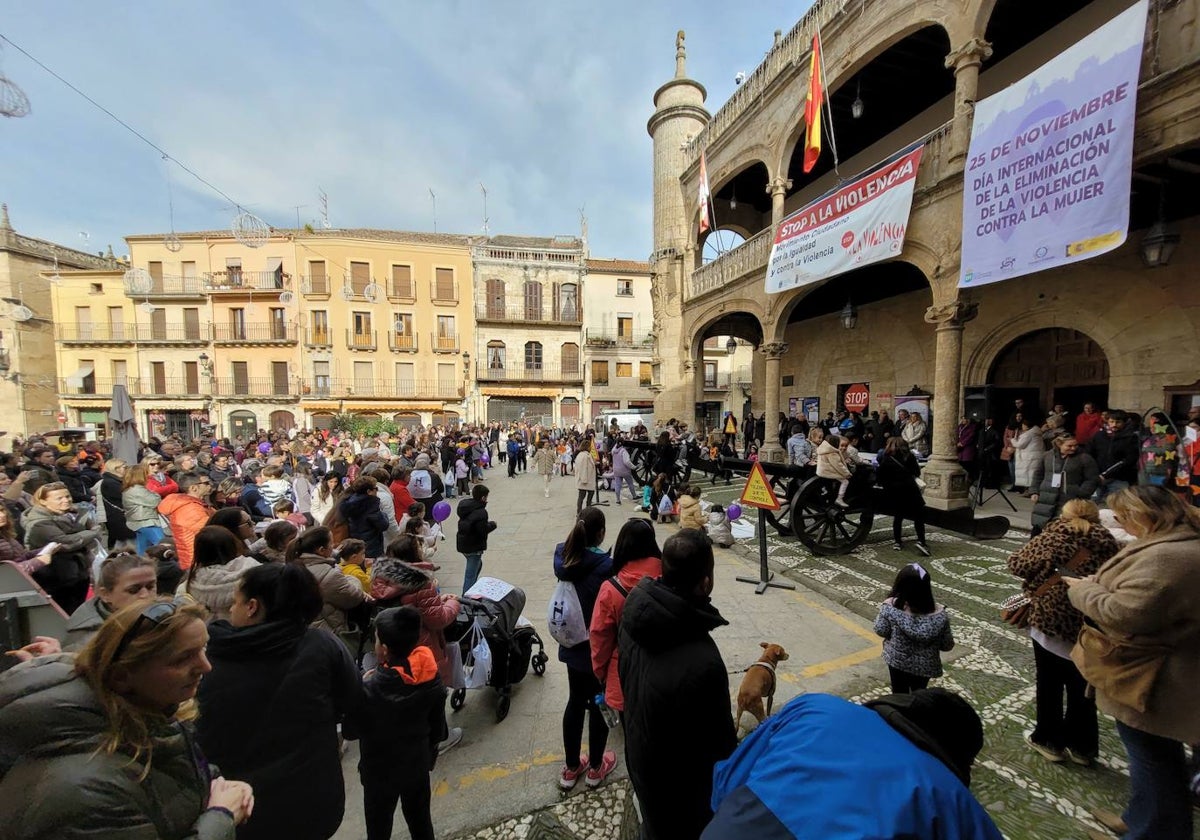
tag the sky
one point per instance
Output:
(374, 101)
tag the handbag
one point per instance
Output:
(1015, 609)
(1123, 671)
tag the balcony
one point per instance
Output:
(444, 343)
(402, 342)
(443, 292)
(315, 286)
(261, 388)
(400, 291)
(613, 339)
(122, 333)
(169, 286)
(717, 382)
(259, 333)
(520, 373)
(247, 281)
(529, 313)
(183, 388)
(382, 389)
(733, 266)
(318, 337)
(361, 340)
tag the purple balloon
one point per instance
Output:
(441, 511)
(734, 511)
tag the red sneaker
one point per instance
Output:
(596, 775)
(568, 777)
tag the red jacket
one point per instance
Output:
(187, 516)
(606, 620)
(1086, 426)
(163, 488)
(401, 498)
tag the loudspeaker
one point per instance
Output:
(978, 403)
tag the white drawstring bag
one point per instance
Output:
(472, 668)
(565, 616)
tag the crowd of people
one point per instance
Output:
(251, 605)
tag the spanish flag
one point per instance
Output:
(704, 197)
(812, 108)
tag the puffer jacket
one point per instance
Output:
(70, 564)
(84, 623)
(75, 483)
(1056, 546)
(51, 726)
(911, 641)
(473, 526)
(830, 463)
(544, 460)
(213, 586)
(606, 619)
(587, 575)
(719, 529)
(365, 521)
(1079, 479)
(690, 515)
(395, 583)
(339, 592)
(141, 507)
(187, 516)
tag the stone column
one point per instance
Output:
(777, 189)
(774, 353)
(693, 375)
(948, 487)
(965, 62)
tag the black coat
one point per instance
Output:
(365, 521)
(1117, 455)
(1080, 477)
(898, 477)
(114, 511)
(268, 716)
(677, 718)
(473, 527)
(74, 483)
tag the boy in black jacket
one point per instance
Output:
(399, 726)
(473, 529)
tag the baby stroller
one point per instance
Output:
(510, 638)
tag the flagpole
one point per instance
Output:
(828, 103)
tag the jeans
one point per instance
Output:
(626, 481)
(148, 536)
(1077, 729)
(379, 807)
(581, 699)
(906, 683)
(474, 567)
(1160, 801)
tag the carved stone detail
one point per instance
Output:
(778, 186)
(774, 349)
(953, 314)
(975, 51)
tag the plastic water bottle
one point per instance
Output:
(610, 714)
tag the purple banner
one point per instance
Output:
(1048, 171)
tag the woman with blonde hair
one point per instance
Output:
(1074, 544)
(110, 509)
(140, 504)
(51, 520)
(1140, 651)
(104, 737)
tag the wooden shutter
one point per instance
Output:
(158, 324)
(360, 276)
(317, 280)
(570, 359)
(191, 377)
(158, 376)
(191, 323)
(495, 297)
(402, 281)
(241, 378)
(444, 284)
(279, 378)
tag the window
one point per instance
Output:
(446, 339)
(599, 372)
(495, 297)
(189, 269)
(443, 284)
(570, 359)
(97, 288)
(447, 380)
(279, 327)
(120, 372)
(155, 270)
(360, 277)
(241, 377)
(495, 355)
(158, 324)
(321, 378)
(710, 374)
(318, 333)
(361, 334)
(402, 282)
(710, 343)
(533, 355)
(645, 374)
(318, 280)
(279, 378)
(233, 271)
(116, 323)
(191, 377)
(83, 321)
(625, 328)
(624, 288)
(158, 377)
(403, 336)
(275, 269)
(533, 300)
(364, 375)
(237, 324)
(191, 323)
(406, 379)
(568, 306)
(624, 370)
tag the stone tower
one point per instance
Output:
(679, 115)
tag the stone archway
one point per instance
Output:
(1048, 367)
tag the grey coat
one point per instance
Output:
(1080, 477)
(339, 591)
(84, 623)
(54, 782)
(911, 641)
(141, 507)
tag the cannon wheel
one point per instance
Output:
(826, 528)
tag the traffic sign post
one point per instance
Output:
(758, 494)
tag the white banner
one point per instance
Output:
(1047, 176)
(854, 225)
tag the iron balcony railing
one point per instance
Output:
(384, 389)
(318, 337)
(531, 312)
(367, 340)
(528, 373)
(235, 386)
(444, 343)
(169, 285)
(405, 342)
(443, 292)
(402, 289)
(616, 338)
(316, 286)
(255, 333)
(257, 281)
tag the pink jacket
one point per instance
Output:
(606, 620)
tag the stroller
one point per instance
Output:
(510, 638)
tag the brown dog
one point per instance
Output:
(759, 684)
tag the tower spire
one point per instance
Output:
(5, 224)
(680, 56)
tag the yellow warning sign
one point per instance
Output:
(757, 492)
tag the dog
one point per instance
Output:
(757, 685)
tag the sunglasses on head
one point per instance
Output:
(152, 614)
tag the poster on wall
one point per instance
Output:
(793, 402)
(854, 396)
(1049, 166)
(914, 404)
(856, 224)
(811, 406)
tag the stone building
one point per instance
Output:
(1109, 330)
(618, 336)
(30, 268)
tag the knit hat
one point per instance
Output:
(939, 722)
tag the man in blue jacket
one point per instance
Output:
(824, 767)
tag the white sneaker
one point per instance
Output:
(451, 740)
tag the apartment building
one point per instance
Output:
(618, 335)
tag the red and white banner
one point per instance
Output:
(859, 223)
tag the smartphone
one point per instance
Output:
(1065, 572)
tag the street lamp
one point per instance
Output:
(1159, 242)
(206, 364)
(731, 345)
(849, 315)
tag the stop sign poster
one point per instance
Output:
(855, 397)
(858, 223)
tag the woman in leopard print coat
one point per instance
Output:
(1077, 543)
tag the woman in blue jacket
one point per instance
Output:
(581, 561)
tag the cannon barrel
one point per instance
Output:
(774, 470)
